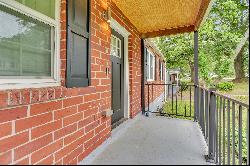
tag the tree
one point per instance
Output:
(218, 38)
(236, 18)
(179, 51)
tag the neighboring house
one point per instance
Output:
(173, 76)
(64, 64)
(155, 74)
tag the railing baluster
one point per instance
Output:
(148, 102)
(233, 132)
(164, 90)
(181, 93)
(217, 128)
(202, 110)
(228, 132)
(176, 103)
(185, 110)
(206, 112)
(240, 135)
(247, 136)
(198, 104)
(168, 90)
(152, 95)
(190, 97)
(220, 130)
(172, 96)
(223, 133)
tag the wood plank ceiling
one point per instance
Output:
(164, 17)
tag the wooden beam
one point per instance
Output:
(167, 32)
(204, 10)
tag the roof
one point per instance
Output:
(174, 71)
(154, 18)
(150, 44)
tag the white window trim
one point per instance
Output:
(40, 82)
(148, 66)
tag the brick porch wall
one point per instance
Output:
(57, 125)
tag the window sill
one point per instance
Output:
(27, 85)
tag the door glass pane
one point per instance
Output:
(25, 45)
(118, 48)
(46, 7)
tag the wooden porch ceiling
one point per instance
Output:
(155, 18)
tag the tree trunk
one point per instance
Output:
(239, 65)
(239, 61)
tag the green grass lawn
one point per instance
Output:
(239, 92)
(183, 109)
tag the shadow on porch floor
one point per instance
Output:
(153, 140)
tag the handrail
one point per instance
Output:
(169, 84)
(226, 97)
(234, 100)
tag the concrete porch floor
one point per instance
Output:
(150, 141)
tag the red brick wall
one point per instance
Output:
(56, 125)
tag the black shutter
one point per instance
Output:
(78, 44)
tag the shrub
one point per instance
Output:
(184, 85)
(225, 86)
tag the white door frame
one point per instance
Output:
(122, 31)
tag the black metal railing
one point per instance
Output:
(224, 121)
(178, 100)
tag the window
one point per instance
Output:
(115, 46)
(150, 66)
(46, 7)
(29, 42)
(78, 59)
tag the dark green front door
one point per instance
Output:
(117, 57)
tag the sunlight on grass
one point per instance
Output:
(183, 109)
